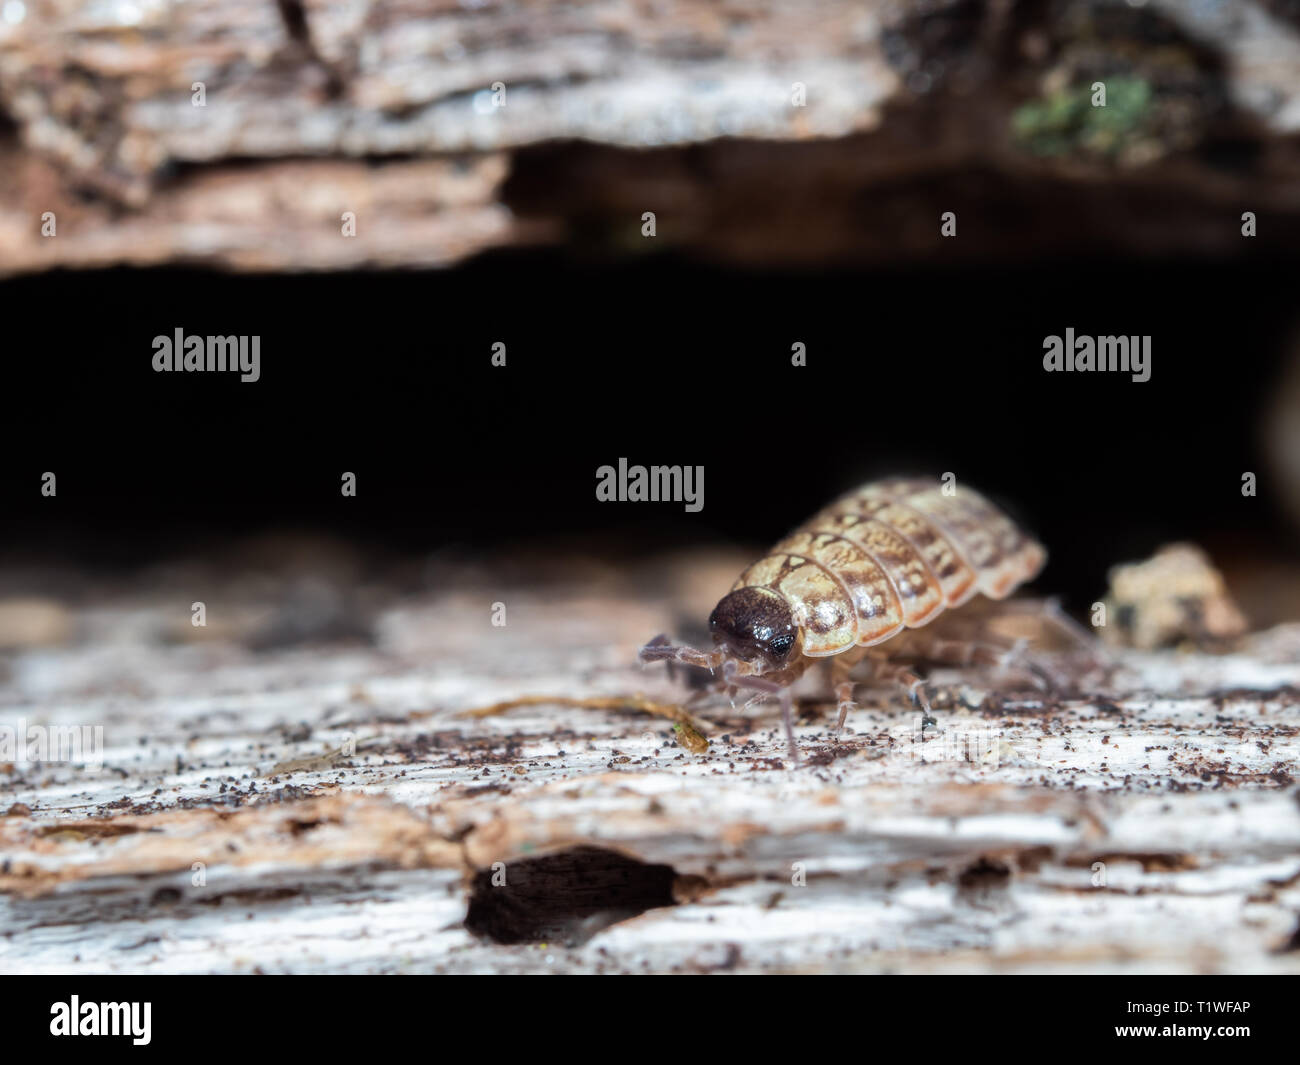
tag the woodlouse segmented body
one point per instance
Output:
(893, 555)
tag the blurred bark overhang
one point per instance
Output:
(682, 107)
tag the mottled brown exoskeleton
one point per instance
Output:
(889, 557)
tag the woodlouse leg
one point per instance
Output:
(883, 669)
(787, 716)
(1035, 622)
(844, 698)
(1008, 654)
(843, 687)
(1049, 614)
(1056, 616)
(698, 696)
(782, 691)
(1099, 658)
(966, 652)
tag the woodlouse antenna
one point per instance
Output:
(660, 650)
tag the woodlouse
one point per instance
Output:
(893, 555)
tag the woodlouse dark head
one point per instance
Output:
(754, 622)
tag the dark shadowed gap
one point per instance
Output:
(665, 360)
(566, 897)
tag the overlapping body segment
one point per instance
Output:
(954, 575)
(819, 601)
(874, 598)
(920, 595)
(1002, 556)
(892, 555)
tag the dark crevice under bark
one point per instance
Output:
(566, 897)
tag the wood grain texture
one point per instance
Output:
(768, 132)
(972, 850)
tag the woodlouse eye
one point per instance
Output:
(780, 646)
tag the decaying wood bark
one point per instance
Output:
(763, 132)
(271, 803)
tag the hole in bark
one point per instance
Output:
(1292, 944)
(983, 875)
(566, 897)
